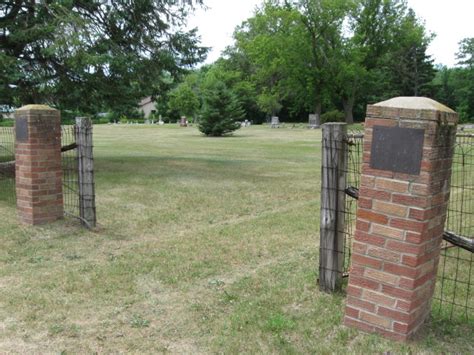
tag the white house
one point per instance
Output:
(147, 106)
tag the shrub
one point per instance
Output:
(332, 116)
(221, 111)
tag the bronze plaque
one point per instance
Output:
(21, 129)
(397, 149)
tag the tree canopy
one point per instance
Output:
(93, 55)
(290, 58)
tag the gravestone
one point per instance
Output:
(183, 121)
(314, 121)
(275, 122)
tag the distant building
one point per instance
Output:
(147, 106)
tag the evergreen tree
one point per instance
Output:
(93, 55)
(221, 111)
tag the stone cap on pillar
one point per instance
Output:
(36, 108)
(414, 108)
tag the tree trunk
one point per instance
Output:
(348, 104)
(318, 107)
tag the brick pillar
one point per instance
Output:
(38, 164)
(404, 192)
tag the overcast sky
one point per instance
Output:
(450, 20)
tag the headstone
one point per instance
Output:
(183, 121)
(275, 122)
(314, 121)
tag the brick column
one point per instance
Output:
(404, 192)
(38, 164)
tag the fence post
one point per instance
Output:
(333, 183)
(87, 208)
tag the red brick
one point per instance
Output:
(406, 248)
(387, 231)
(384, 254)
(403, 327)
(390, 208)
(391, 185)
(357, 269)
(365, 202)
(367, 238)
(397, 269)
(398, 292)
(417, 238)
(372, 216)
(371, 122)
(367, 181)
(352, 312)
(360, 248)
(362, 226)
(354, 291)
(378, 298)
(376, 320)
(411, 201)
(394, 314)
(375, 194)
(363, 282)
(366, 261)
(366, 169)
(382, 277)
(361, 304)
(409, 225)
(413, 284)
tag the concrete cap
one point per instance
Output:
(414, 103)
(36, 108)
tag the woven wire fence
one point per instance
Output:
(7, 165)
(354, 142)
(454, 294)
(69, 162)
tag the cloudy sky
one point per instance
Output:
(450, 20)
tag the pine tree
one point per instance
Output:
(221, 111)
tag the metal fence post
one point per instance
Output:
(333, 184)
(87, 207)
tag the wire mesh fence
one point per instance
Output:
(354, 142)
(454, 293)
(69, 160)
(7, 165)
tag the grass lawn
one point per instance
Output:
(204, 245)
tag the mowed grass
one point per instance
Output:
(204, 245)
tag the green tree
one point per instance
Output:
(184, 100)
(465, 58)
(91, 55)
(221, 110)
